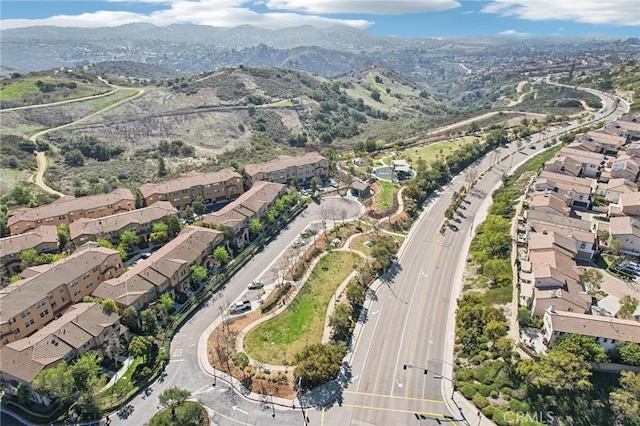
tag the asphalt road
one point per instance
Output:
(408, 321)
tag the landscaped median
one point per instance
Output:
(302, 323)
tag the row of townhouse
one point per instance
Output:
(139, 221)
(43, 239)
(285, 168)
(223, 185)
(253, 204)
(45, 291)
(212, 187)
(167, 270)
(83, 327)
(555, 237)
(67, 209)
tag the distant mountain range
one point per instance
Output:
(193, 49)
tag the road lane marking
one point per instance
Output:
(394, 397)
(322, 417)
(364, 364)
(404, 329)
(395, 410)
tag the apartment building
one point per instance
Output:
(83, 327)
(607, 331)
(237, 215)
(167, 270)
(222, 185)
(46, 290)
(69, 209)
(285, 168)
(139, 221)
(43, 239)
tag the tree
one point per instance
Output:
(582, 346)
(174, 226)
(198, 273)
(149, 322)
(318, 363)
(383, 251)
(109, 305)
(130, 317)
(255, 226)
(496, 329)
(314, 187)
(56, 381)
(174, 395)
(84, 369)
(375, 95)
(105, 243)
(23, 394)
(28, 257)
(162, 167)
(592, 280)
(159, 233)
(355, 296)
(630, 353)
(64, 236)
(625, 400)
(165, 303)
(470, 177)
(615, 247)
(494, 268)
(139, 346)
(559, 371)
(340, 322)
(220, 255)
(628, 305)
(493, 237)
(74, 158)
(198, 206)
(128, 239)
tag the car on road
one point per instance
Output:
(297, 244)
(146, 255)
(254, 285)
(240, 307)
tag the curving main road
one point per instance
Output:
(411, 319)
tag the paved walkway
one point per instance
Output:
(282, 307)
(126, 362)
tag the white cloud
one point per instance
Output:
(219, 13)
(618, 12)
(375, 7)
(513, 33)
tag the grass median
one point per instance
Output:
(302, 323)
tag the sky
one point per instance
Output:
(401, 18)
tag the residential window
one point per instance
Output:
(16, 331)
(40, 304)
(24, 313)
(44, 313)
(12, 320)
(89, 284)
(73, 283)
(29, 323)
(75, 293)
